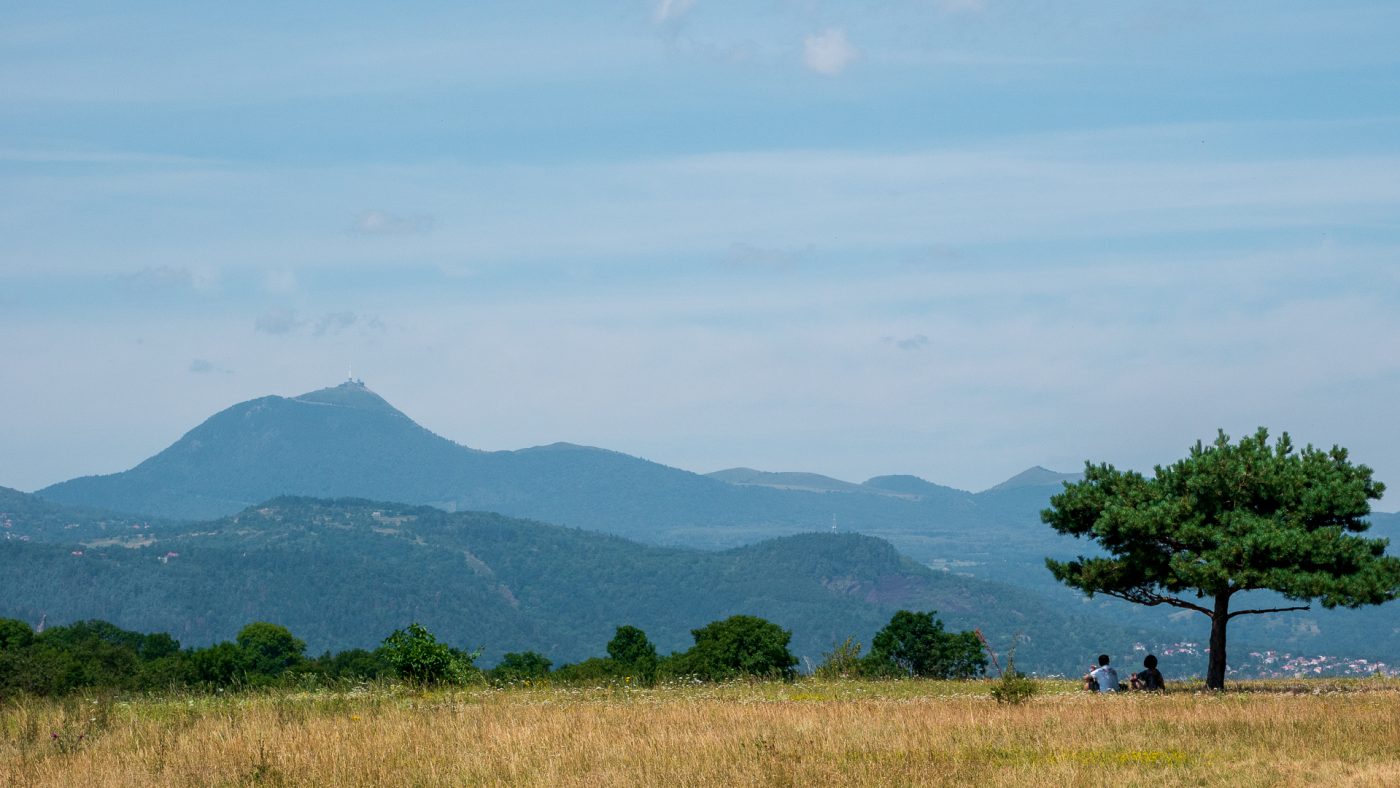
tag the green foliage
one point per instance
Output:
(220, 665)
(915, 644)
(1228, 518)
(1013, 688)
(633, 653)
(354, 664)
(595, 670)
(528, 665)
(842, 661)
(14, 635)
(374, 566)
(270, 649)
(735, 647)
(416, 655)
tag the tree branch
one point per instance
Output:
(1149, 599)
(1269, 610)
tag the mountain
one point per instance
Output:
(346, 441)
(345, 573)
(809, 482)
(913, 487)
(1037, 476)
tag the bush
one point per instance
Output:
(915, 644)
(1013, 687)
(737, 646)
(841, 662)
(596, 670)
(524, 666)
(416, 655)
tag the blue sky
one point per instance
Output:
(953, 238)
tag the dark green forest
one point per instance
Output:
(342, 573)
(95, 654)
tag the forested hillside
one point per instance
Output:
(342, 573)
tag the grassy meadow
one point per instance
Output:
(812, 732)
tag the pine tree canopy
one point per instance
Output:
(1229, 518)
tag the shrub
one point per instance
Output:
(528, 665)
(416, 655)
(842, 661)
(737, 646)
(1013, 687)
(915, 644)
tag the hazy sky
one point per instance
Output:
(953, 238)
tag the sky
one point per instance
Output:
(949, 238)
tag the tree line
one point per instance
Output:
(100, 655)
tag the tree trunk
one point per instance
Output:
(1215, 673)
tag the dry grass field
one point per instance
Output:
(808, 733)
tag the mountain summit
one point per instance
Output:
(1036, 476)
(353, 393)
(338, 441)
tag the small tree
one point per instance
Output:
(634, 653)
(915, 644)
(271, 648)
(416, 655)
(738, 646)
(1226, 519)
(14, 635)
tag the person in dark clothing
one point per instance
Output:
(1149, 678)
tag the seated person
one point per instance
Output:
(1102, 678)
(1150, 678)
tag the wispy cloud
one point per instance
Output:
(202, 366)
(961, 6)
(915, 342)
(165, 277)
(282, 321)
(277, 320)
(743, 255)
(669, 10)
(386, 223)
(828, 52)
(336, 322)
(281, 282)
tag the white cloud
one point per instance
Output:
(828, 52)
(667, 10)
(386, 223)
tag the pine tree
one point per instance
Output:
(1229, 518)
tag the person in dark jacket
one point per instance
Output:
(1149, 678)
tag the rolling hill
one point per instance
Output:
(344, 573)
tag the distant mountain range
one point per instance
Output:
(346, 441)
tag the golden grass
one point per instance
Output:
(808, 733)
